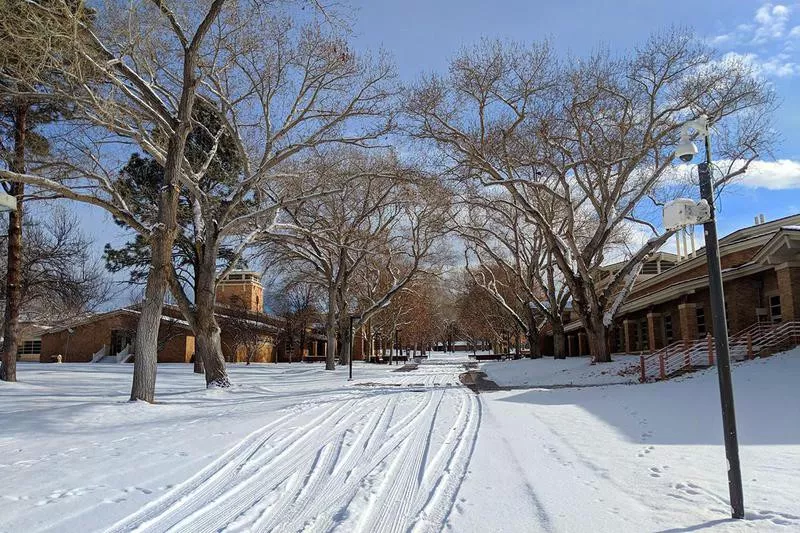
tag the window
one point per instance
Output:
(775, 309)
(701, 321)
(667, 329)
(650, 267)
(33, 347)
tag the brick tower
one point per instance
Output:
(242, 289)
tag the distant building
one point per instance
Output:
(246, 331)
(670, 299)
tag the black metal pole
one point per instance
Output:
(721, 340)
(351, 349)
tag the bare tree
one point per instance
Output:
(245, 336)
(383, 227)
(60, 279)
(507, 256)
(142, 90)
(296, 303)
(269, 89)
(595, 136)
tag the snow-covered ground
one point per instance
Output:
(636, 457)
(293, 447)
(559, 372)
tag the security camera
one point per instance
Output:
(686, 149)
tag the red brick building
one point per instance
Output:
(670, 300)
(247, 332)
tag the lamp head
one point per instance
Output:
(686, 149)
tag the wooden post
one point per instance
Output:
(710, 341)
(661, 370)
(641, 369)
(749, 347)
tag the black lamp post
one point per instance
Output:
(686, 150)
(352, 317)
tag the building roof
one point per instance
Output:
(777, 242)
(268, 324)
(782, 246)
(130, 310)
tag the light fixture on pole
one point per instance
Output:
(7, 202)
(680, 213)
(350, 355)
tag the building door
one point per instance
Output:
(775, 308)
(120, 338)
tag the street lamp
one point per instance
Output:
(397, 351)
(7, 202)
(351, 345)
(704, 212)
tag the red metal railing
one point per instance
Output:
(746, 344)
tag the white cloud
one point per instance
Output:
(768, 43)
(721, 39)
(781, 174)
(771, 22)
(776, 175)
(779, 65)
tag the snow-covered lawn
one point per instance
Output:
(293, 447)
(636, 457)
(555, 372)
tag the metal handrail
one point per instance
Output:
(675, 357)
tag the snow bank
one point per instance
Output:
(548, 372)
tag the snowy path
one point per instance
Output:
(388, 456)
(296, 448)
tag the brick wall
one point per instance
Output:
(788, 287)
(87, 339)
(247, 295)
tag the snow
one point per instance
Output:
(636, 458)
(549, 372)
(292, 447)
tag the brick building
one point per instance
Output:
(670, 300)
(247, 332)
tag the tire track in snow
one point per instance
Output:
(390, 510)
(319, 516)
(241, 496)
(375, 462)
(219, 473)
(442, 494)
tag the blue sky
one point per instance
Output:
(422, 35)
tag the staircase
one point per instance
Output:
(760, 339)
(123, 356)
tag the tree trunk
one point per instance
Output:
(596, 332)
(209, 348)
(146, 344)
(533, 343)
(330, 332)
(162, 239)
(8, 363)
(559, 351)
(206, 329)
